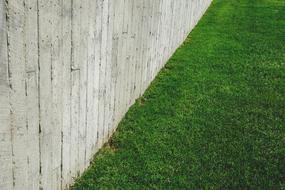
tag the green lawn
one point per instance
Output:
(214, 118)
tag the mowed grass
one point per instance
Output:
(214, 118)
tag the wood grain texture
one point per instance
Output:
(66, 46)
(17, 68)
(32, 93)
(6, 172)
(45, 91)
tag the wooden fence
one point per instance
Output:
(69, 71)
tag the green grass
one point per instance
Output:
(214, 118)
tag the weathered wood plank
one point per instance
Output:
(128, 51)
(83, 65)
(75, 107)
(32, 93)
(32, 149)
(56, 91)
(122, 62)
(104, 80)
(102, 64)
(97, 62)
(109, 97)
(75, 87)
(118, 34)
(6, 175)
(66, 93)
(91, 108)
(16, 39)
(45, 89)
(114, 66)
(132, 50)
(138, 54)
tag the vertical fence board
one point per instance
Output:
(101, 27)
(98, 39)
(83, 66)
(104, 80)
(77, 63)
(32, 98)
(56, 91)
(6, 176)
(109, 98)
(16, 40)
(66, 93)
(90, 101)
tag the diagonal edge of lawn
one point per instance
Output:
(214, 116)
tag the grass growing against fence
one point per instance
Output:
(214, 118)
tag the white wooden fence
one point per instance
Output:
(69, 71)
